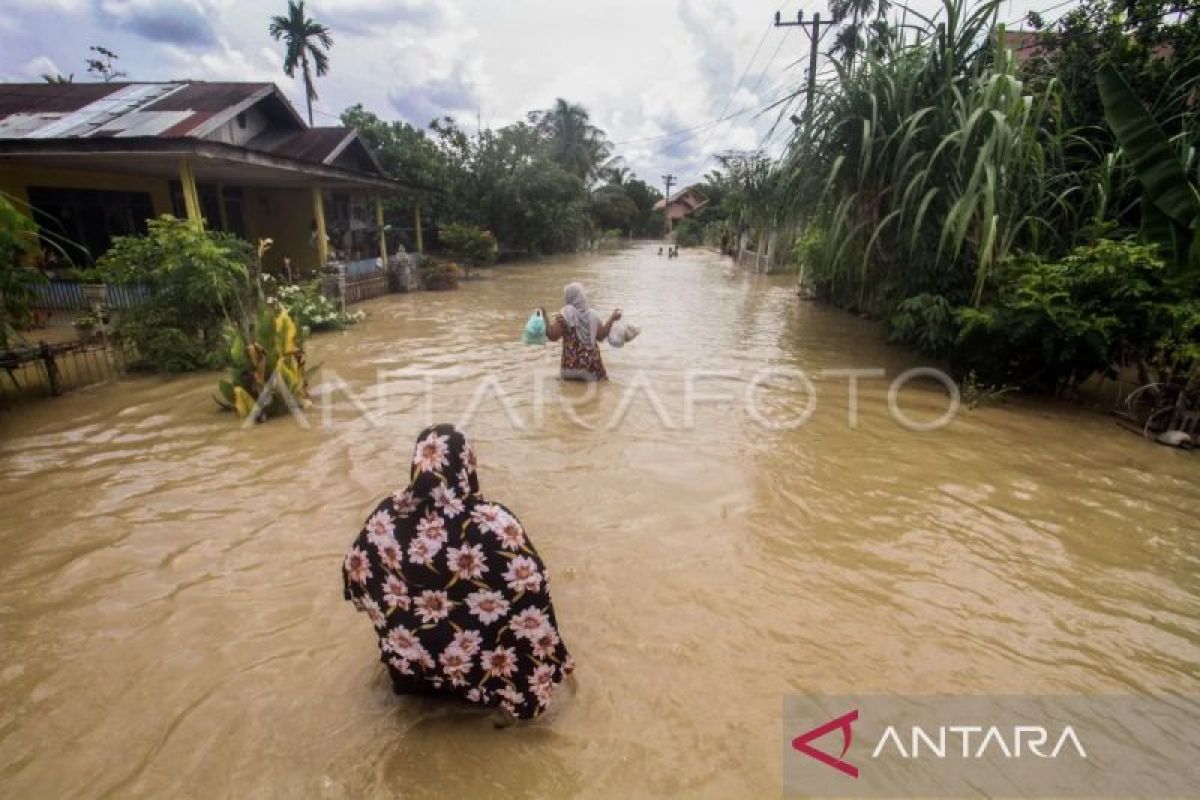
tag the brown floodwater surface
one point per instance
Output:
(170, 589)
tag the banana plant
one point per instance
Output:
(268, 357)
(1170, 202)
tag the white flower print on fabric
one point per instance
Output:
(431, 454)
(357, 566)
(466, 562)
(529, 624)
(488, 605)
(469, 640)
(510, 533)
(391, 555)
(395, 594)
(499, 663)
(420, 551)
(432, 606)
(456, 664)
(446, 501)
(545, 643)
(404, 502)
(488, 516)
(522, 575)
(380, 529)
(541, 683)
(432, 528)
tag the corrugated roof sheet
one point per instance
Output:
(314, 144)
(70, 110)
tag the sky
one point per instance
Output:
(644, 69)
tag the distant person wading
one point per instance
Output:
(580, 328)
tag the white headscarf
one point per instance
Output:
(578, 315)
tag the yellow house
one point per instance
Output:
(94, 160)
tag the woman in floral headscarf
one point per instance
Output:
(457, 594)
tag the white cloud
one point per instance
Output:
(643, 69)
(36, 67)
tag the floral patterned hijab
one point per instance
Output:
(456, 592)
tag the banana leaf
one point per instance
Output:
(1170, 206)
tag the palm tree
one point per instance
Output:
(849, 39)
(575, 143)
(305, 40)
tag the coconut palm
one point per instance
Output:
(575, 143)
(850, 39)
(307, 42)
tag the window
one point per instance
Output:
(222, 211)
(90, 218)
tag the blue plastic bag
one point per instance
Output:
(535, 328)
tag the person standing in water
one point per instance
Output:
(455, 590)
(580, 328)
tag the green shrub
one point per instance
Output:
(469, 244)
(200, 285)
(1056, 323)
(439, 275)
(927, 322)
(688, 233)
(18, 244)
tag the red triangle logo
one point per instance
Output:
(804, 740)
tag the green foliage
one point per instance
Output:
(1056, 323)
(436, 275)
(305, 304)
(469, 244)
(688, 233)
(199, 283)
(18, 246)
(531, 183)
(927, 322)
(266, 364)
(1170, 206)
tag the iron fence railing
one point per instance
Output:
(45, 369)
(59, 295)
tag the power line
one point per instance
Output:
(1044, 11)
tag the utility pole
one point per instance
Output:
(815, 31)
(668, 180)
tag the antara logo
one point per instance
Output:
(973, 742)
(803, 743)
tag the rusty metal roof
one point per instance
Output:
(81, 110)
(75, 113)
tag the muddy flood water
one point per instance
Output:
(171, 614)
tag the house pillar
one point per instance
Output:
(417, 227)
(383, 251)
(322, 236)
(191, 198)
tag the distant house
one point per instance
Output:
(1025, 44)
(683, 203)
(96, 160)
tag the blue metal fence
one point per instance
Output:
(69, 296)
(362, 268)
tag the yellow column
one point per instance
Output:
(383, 251)
(417, 227)
(191, 199)
(322, 236)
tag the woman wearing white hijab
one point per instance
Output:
(580, 328)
